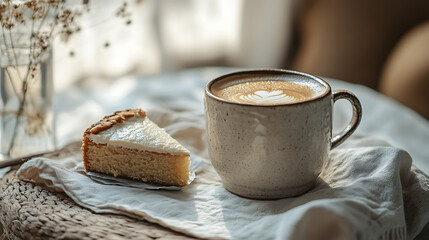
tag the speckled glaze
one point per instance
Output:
(275, 151)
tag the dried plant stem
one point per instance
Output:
(25, 81)
(25, 70)
(13, 85)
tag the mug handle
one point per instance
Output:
(356, 117)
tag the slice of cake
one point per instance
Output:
(128, 144)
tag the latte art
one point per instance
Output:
(266, 92)
(265, 97)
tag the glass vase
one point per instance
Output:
(26, 107)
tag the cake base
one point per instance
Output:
(161, 168)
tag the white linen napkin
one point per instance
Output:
(369, 190)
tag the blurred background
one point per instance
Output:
(380, 44)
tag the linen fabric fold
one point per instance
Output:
(368, 190)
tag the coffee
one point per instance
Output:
(269, 148)
(265, 92)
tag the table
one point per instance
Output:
(31, 212)
(87, 102)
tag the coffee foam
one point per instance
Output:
(266, 92)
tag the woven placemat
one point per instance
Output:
(28, 211)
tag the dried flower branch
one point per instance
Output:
(39, 21)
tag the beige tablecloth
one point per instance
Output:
(370, 189)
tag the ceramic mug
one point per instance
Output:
(273, 151)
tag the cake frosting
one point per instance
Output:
(139, 133)
(128, 144)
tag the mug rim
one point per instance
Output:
(268, 71)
